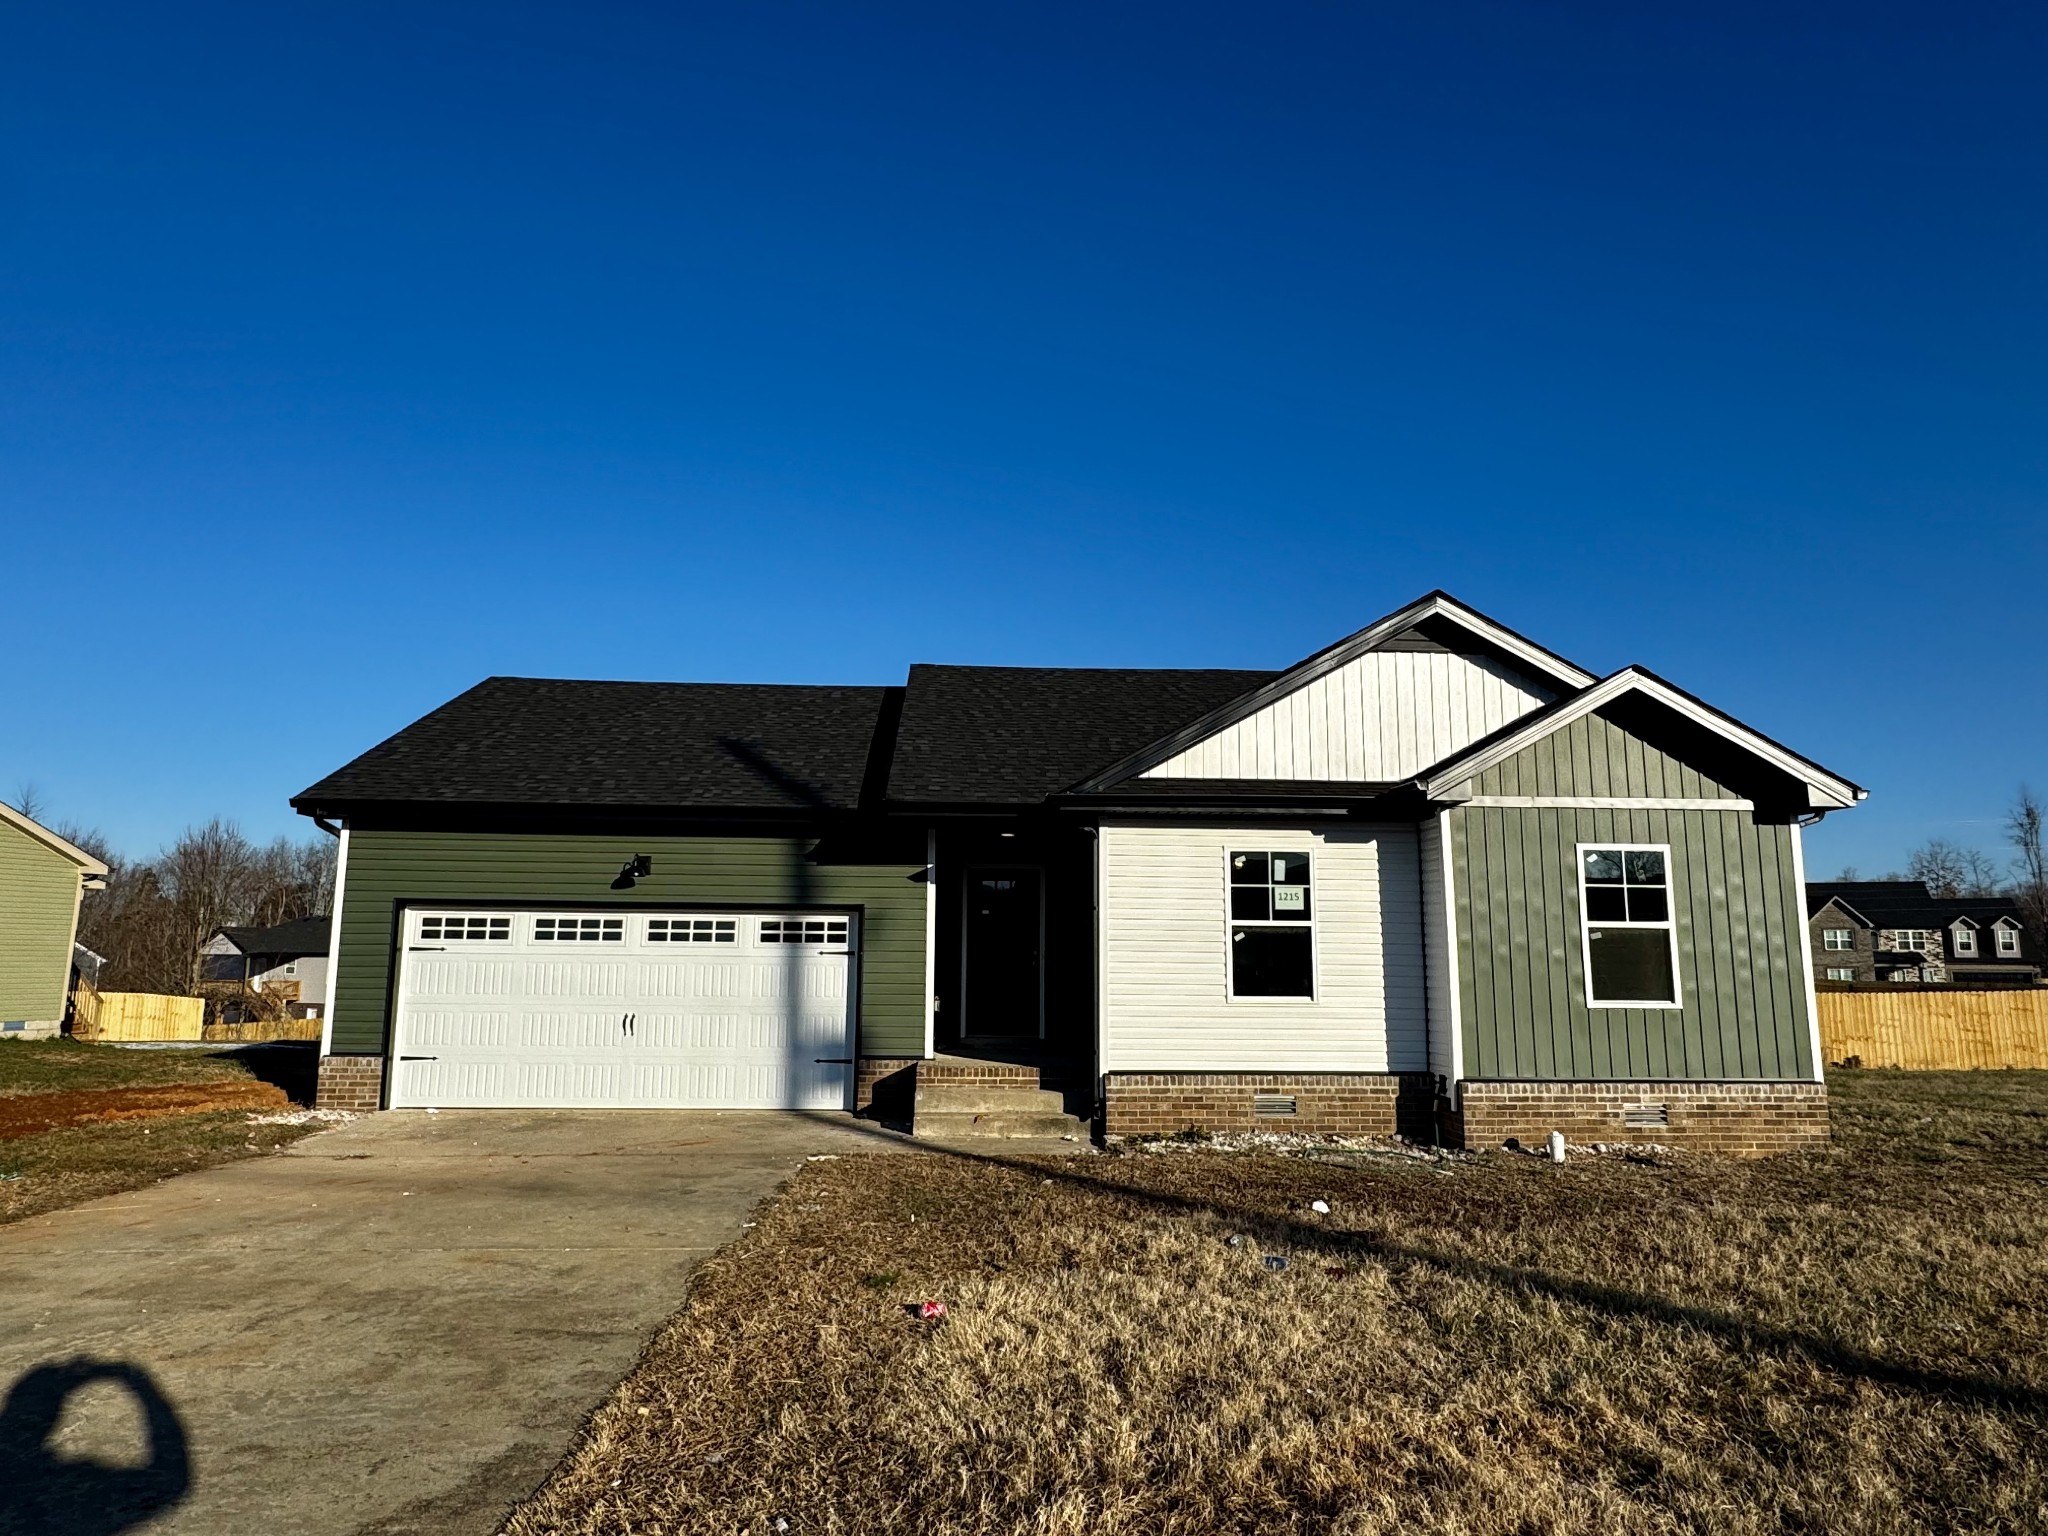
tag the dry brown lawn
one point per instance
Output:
(1849, 1341)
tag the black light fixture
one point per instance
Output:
(630, 873)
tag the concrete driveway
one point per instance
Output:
(394, 1326)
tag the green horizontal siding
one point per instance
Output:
(1522, 969)
(387, 869)
(38, 913)
(1595, 757)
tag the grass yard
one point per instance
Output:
(65, 1065)
(1854, 1340)
(59, 1168)
(54, 1168)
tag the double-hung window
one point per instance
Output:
(1837, 938)
(1966, 940)
(1272, 925)
(2008, 939)
(1841, 973)
(1631, 943)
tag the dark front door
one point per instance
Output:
(1003, 937)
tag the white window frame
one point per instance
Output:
(2008, 932)
(1841, 973)
(1829, 935)
(1669, 925)
(1315, 955)
(1966, 941)
(1910, 941)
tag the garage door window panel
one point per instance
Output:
(579, 930)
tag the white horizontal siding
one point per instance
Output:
(1165, 989)
(1381, 717)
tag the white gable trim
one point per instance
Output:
(1545, 665)
(49, 839)
(1825, 791)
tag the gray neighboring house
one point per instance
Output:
(1895, 931)
(287, 958)
(1434, 878)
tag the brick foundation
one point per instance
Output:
(1325, 1103)
(350, 1082)
(882, 1086)
(1741, 1119)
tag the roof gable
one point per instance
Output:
(1378, 706)
(1820, 789)
(39, 833)
(300, 937)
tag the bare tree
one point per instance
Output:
(1950, 871)
(209, 877)
(154, 917)
(1849, 873)
(28, 799)
(1981, 875)
(2026, 826)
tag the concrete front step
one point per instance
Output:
(958, 1097)
(987, 1098)
(961, 1125)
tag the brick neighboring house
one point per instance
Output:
(1896, 931)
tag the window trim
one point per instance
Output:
(1841, 973)
(1830, 947)
(1676, 1002)
(1315, 907)
(1965, 940)
(2007, 945)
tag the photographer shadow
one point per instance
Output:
(45, 1494)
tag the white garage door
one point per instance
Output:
(670, 1010)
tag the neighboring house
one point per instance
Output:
(1895, 931)
(287, 961)
(1433, 877)
(41, 879)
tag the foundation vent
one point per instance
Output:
(1273, 1106)
(1645, 1115)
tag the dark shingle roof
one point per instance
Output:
(306, 936)
(697, 746)
(1013, 735)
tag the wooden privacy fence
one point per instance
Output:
(1936, 1030)
(261, 1031)
(100, 1015)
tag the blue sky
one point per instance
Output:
(349, 354)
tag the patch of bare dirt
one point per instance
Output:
(31, 1114)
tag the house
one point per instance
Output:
(1896, 931)
(1434, 877)
(286, 961)
(42, 877)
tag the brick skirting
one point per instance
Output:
(1324, 1103)
(1742, 1119)
(882, 1086)
(350, 1082)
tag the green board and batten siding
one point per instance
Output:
(388, 869)
(38, 915)
(1521, 967)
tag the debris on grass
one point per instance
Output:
(1276, 1262)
